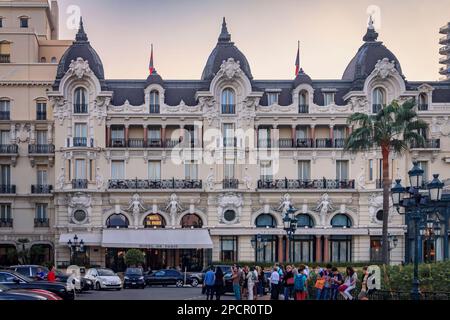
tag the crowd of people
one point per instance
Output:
(291, 283)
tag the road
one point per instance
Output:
(149, 293)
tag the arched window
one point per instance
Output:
(191, 221)
(80, 102)
(341, 221)
(304, 221)
(303, 102)
(265, 221)
(155, 221)
(117, 221)
(154, 101)
(228, 101)
(53, 60)
(423, 102)
(378, 99)
(43, 60)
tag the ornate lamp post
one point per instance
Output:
(418, 206)
(256, 244)
(290, 226)
(75, 246)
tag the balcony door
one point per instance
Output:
(5, 175)
(5, 137)
(341, 170)
(42, 177)
(41, 137)
(80, 169)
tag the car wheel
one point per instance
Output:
(179, 283)
(194, 283)
(98, 286)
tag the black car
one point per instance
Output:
(14, 280)
(134, 277)
(30, 271)
(197, 278)
(166, 277)
(17, 295)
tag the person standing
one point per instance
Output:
(51, 277)
(218, 285)
(235, 278)
(261, 281)
(288, 282)
(336, 281)
(326, 275)
(251, 280)
(300, 284)
(274, 284)
(210, 279)
(245, 273)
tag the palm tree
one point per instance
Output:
(393, 128)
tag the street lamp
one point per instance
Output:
(418, 207)
(75, 246)
(290, 226)
(256, 244)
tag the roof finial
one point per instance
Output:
(371, 34)
(151, 68)
(224, 35)
(371, 27)
(81, 35)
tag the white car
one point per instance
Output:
(103, 278)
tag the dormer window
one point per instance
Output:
(24, 22)
(303, 103)
(154, 101)
(328, 98)
(80, 104)
(423, 102)
(228, 101)
(378, 100)
(272, 98)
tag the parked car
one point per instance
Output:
(10, 294)
(30, 271)
(229, 282)
(103, 278)
(197, 278)
(15, 280)
(134, 277)
(166, 277)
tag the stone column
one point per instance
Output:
(332, 134)
(145, 135)
(256, 136)
(294, 135)
(274, 134)
(199, 136)
(318, 248)
(50, 134)
(108, 135)
(163, 135)
(312, 129)
(126, 135)
(326, 249)
(280, 248)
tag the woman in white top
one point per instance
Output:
(349, 283)
(251, 279)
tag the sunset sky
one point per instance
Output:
(185, 31)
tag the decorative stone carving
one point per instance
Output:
(359, 104)
(210, 111)
(285, 204)
(61, 179)
(440, 127)
(247, 112)
(22, 133)
(79, 68)
(99, 179)
(100, 109)
(173, 207)
(248, 180)
(362, 179)
(230, 69)
(181, 108)
(375, 205)
(325, 205)
(61, 108)
(229, 201)
(210, 180)
(385, 69)
(79, 208)
(136, 207)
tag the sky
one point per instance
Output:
(184, 32)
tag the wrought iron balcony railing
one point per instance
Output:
(283, 184)
(41, 148)
(285, 143)
(305, 143)
(422, 107)
(154, 143)
(303, 108)
(154, 108)
(427, 144)
(41, 222)
(324, 143)
(41, 189)
(7, 189)
(80, 142)
(6, 223)
(9, 149)
(80, 108)
(154, 184)
(230, 184)
(339, 143)
(376, 108)
(228, 109)
(79, 184)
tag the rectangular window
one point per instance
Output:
(117, 170)
(341, 248)
(154, 136)
(81, 130)
(341, 170)
(5, 212)
(5, 175)
(5, 52)
(80, 169)
(42, 177)
(228, 249)
(424, 166)
(41, 111)
(272, 98)
(302, 133)
(328, 98)
(264, 137)
(371, 170)
(4, 110)
(41, 211)
(41, 137)
(154, 170)
(24, 22)
(375, 249)
(5, 137)
(266, 171)
(304, 170)
(118, 137)
(228, 170)
(191, 170)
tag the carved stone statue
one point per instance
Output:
(136, 204)
(99, 179)
(285, 204)
(324, 206)
(61, 179)
(362, 179)
(210, 181)
(248, 181)
(173, 207)
(79, 67)
(384, 68)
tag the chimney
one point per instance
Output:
(54, 10)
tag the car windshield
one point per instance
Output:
(105, 272)
(22, 277)
(137, 271)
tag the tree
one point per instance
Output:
(134, 257)
(393, 128)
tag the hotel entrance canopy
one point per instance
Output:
(157, 238)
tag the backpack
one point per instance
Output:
(299, 282)
(254, 277)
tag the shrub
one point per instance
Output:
(134, 257)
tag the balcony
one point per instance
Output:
(41, 222)
(9, 149)
(303, 108)
(172, 143)
(154, 184)
(7, 189)
(422, 107)
(80, 142)
(154, 143)
(6, 223)
(339, 143)
(305, 143)
(324, 143)
(5, 115)
(79, 184)
(41, 115)
(80, 108)
(41, 149)
(118, 143)
(41, 189)
(5, 58)
(230, 184)
(286, 184)
(377, 108)
(427, 144)
(285, 143)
